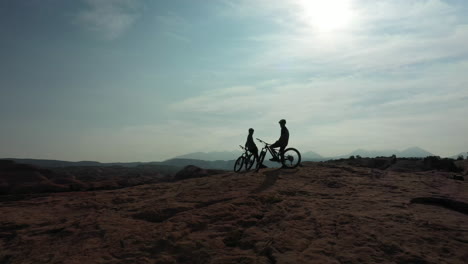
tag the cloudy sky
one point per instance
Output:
(143, 80)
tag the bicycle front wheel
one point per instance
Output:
(249, 161)
(239, 163)
(292, 158)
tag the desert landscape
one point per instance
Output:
(322, 212)
(127, 127)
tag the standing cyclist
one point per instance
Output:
(250, 145)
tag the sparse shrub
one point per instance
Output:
(460, 157)
(435, 162)
(358, 157)
(380, 163)
(352, 157)
(431, 159)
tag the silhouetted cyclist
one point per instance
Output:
(250, 144)
(282, 142)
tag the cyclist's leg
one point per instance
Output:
(274, 152)
(255, 153)
(281, 153)
(261, 157)
(275, 145)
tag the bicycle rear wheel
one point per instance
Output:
(239, 163)
(249, 161)
(292, 158)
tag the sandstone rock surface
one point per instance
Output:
(318, 213)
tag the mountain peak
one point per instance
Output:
(414, 152)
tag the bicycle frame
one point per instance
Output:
(279, 156)
(273, 152)
(244, 158)
(246, 151)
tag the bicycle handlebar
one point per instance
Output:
(263, 141)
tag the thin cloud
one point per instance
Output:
(174, 26)
(337, 95)
(396, 77)
(383, 35)
(108, 18)
(352, 111)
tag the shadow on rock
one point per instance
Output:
(270, 179)
(458, 206)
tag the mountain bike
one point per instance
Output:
(290, 158)
(247, 158)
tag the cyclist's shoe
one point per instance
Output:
(274, 159)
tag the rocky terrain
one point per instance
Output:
(178, 163)
(317, 213)
(405, 164)
(30, 179)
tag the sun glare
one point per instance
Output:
(326, 15)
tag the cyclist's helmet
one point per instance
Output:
(282, 121)
(251, 129)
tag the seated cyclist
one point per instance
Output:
(282, 142)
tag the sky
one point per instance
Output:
(144, 80)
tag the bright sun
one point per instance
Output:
(326, 15)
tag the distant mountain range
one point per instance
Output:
(223, 160)
(220, 164)
(233, 155)
(464, 154)
(62, 163)
(413, 152)
(312, 156)
(211, 156)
